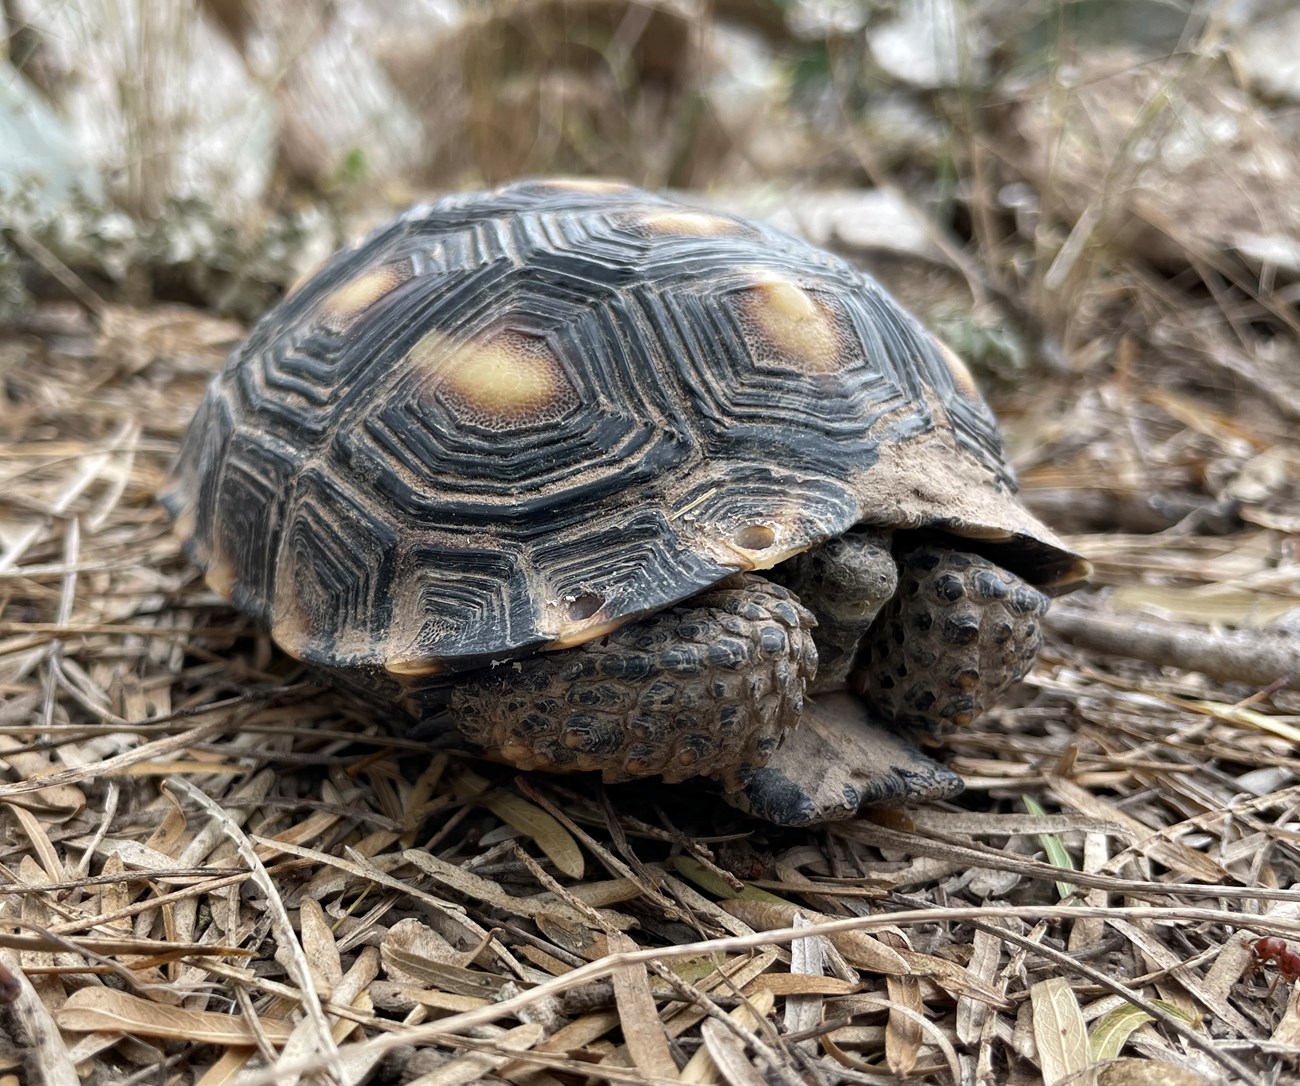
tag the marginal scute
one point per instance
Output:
(291, 630)
(507, 377)
(786, 325)
(961, 374)
(577, 632)
(221, 576)
(417, 668)
(594, 185)
(341, 308)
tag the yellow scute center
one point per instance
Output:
(696, 223)
(348, 302)
(500, 377)
(509, 375)
(799, 330)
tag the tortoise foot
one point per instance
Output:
(959, 631)
(837, 761)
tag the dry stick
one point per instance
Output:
(159, 747)
(94, 946)
(59, 271)
(48, 1051)
(296, 959)
(192, 876)
(692, 995)
(111, 724)
(977, 855)
(1071, 962)
(100, 962)
(67, 602)
(19, 545)
(1256, 657)
(446, 1029)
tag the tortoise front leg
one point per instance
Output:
(706, 688)
(957, 634)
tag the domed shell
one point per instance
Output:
(515, 420)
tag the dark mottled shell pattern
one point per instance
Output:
(515, 420)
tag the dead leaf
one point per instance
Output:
(701, 1069)
(91, 1010)
(799, 984)
(413, 953)
(319, 947)
(1059, 1032)
(863, 950)
(903, 1032)
(59, 801)
(1130, 1072)
(643, 1032)
(529, 819)
(1112, 1031)
(41, 844)
(728, 1053)
(475, 1066)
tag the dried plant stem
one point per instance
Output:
(49, 1052)
(457, 1023)
(296, 960)
(1256, 657)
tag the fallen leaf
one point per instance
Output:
(1131, 1072)
(91, 1010)
(529, 819)
(800, 984)
(1112, 1031)
(711, 882)
(643, 1031)
(1059, 1032)
(700, 1069)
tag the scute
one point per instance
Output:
(516, 420)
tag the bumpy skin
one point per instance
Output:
(959, 631)
(702, 689)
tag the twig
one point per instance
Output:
(1256, 657)
(442, 1030)
(59, 271)
(295, 958)
(48, 1051)
(147, 752)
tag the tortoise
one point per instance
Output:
(602, 481)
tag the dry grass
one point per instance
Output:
(212, 870)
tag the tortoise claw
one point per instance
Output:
(837, 761)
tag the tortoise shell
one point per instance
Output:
(516, 420)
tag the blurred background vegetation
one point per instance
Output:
(1060, 188)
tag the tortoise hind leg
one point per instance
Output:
(705, 688)
(838, 760)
